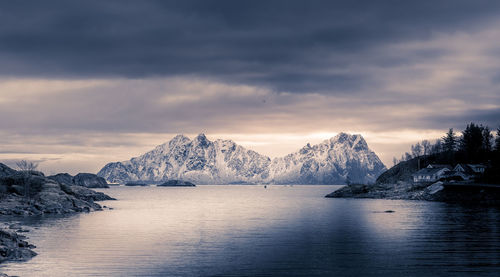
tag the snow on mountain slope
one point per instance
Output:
(198, 160)
(335, 161)
(343, 158)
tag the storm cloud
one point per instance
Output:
(294, 46)
(83, 83)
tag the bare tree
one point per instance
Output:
(416, 150)
(437, 147)
(26, 168)
(407, 156)
(426, 145)
(395, 160)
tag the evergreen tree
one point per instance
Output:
(437, 147)
(472, 140)
(497, 140)
(407, 156)
(395, 161)
(450, 141)
(487, 138)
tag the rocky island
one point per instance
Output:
(29, 193)
(176, 183)
(136, 184)
(87, 180)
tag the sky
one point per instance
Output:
(84, 83)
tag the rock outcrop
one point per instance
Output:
(136, 184)
(6, 171)
(13, 247)
(62, 178)
(24, 193)
(87, 180)
(31, 193)
(483, 194)
(176, 183)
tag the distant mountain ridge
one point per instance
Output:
(343, 158)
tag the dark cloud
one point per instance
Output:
(287, 45)
(459, 120)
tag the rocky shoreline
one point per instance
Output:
(439, 191)
(24, 194)
(13, 246)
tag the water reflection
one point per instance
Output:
(251, 231)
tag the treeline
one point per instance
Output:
(476, 144)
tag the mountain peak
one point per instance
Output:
(179, 137)
(177, 140)
(201, 136)
(342, 157)
(355, 141)
(201, 140)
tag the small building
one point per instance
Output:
(469, 171)
(477, 168)
(440, 166)
(454, 176)
(429, 174)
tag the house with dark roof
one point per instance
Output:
(469, 171)
(429, 174)
(477, 168)
(452, 176)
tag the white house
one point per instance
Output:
(439, 166)
(429, 174)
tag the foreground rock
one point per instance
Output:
(439, 191)
(45, 196)
(31, 193)
(177, 183)
(86, 194)
(13, 247)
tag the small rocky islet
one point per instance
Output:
(176, 183)
(169, 183)
(32, 193)
(136, 184)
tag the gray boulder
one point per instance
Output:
(89, 180)
(6, 171)
(86, 194)
(62, 178)
(13, 247)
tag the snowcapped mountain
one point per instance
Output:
(343, 157)
(199, 160)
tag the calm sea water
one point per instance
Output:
(252, 231)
